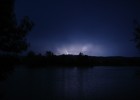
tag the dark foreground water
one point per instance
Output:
(97, 83)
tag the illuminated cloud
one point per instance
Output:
(75, 49)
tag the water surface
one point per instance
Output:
(97, 83)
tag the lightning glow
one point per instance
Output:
(75, 49)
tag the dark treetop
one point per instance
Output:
(12, 34)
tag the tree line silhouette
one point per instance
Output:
(81, 60)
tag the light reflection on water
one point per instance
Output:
(98, 83)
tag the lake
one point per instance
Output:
(96, 83)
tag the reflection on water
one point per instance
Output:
(98, 83)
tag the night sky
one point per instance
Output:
(94, 27)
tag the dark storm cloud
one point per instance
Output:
(63, 23)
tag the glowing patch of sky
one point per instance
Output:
(75, 49)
